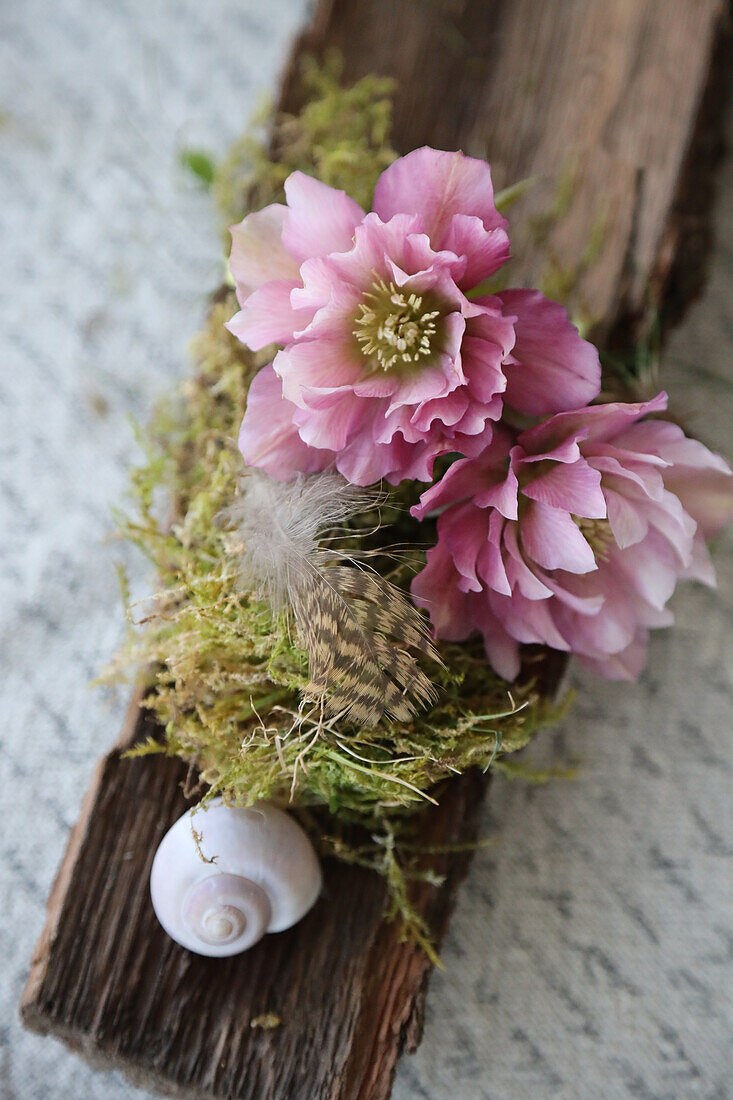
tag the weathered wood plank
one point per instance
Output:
(599, 101)
(107, 980)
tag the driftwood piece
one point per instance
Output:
(109, 981)
(600, 101)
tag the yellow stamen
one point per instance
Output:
(393, 327)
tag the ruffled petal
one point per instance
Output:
(258, 253)
(437, 185)
(268, 437)
(528, 581)
(529, 621)
(267, 317)
(490, 562)
(628, 523)
(555, 368)
(574, 487)
(650, 569)
(626, 665)
(482, 365)
(554, 541)
(596, 424)
(462, 532)
(706, 495)
(311, 368)
(435, 589)
(319, 218)
(447, 410)
(334, 425)
(503, 495)
(669, 442)
(484, 250)
(501, 649)
(465, 478)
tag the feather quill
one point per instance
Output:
(361, 635)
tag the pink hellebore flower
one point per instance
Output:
(386, 361)
(573, 534)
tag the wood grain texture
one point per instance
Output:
(595, 101)
(605, 95)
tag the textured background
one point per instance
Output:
(591, 954)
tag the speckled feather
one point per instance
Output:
(360, 633)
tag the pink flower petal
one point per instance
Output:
(706, 495)
(377, 247)
(484, 250)
(670, 443)
(529, 621)
(320, 219)
(336, 424)
(464, 478)
(503, 495)
(626, 665)
(701, 567)
(438, 494)
(628, 523)
(521, 577)
(471, 434)
(258, 253)
(482, 365)
(490, 563)
(446, 410)
(435, 589)
(556, 369)
(319, 275)
(679, 529)
(574, 487)
(608, 632)
(267, 316)
(437, 185)
(424, 385)
(268, 437)
(313, 365)
(636, 482)
(395, 461)
(596, 424)
(701, 479)
(501, 649)
(650, 569)
(574, 591)
(553, 540)
(463, 532)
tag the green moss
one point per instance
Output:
(341, 136)
(225, 676)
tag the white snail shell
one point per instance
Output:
(265, 877)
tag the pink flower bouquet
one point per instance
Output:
(426, 481)
(559, 521)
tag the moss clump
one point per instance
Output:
(341, 136)
(225, 677)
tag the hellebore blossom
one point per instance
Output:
(573, 534)
(386, 360)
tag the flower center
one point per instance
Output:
(598, 535)
(395, 327)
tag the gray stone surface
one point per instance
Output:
(591, 954)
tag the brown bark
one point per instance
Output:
(600, 101)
